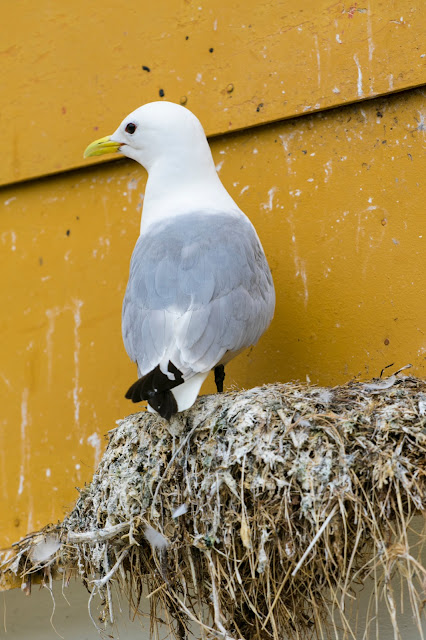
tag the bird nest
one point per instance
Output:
(255, 514)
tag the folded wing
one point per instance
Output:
(199, 287)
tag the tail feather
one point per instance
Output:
(155, 387)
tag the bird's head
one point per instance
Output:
(154, 131)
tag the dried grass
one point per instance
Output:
(286, 497)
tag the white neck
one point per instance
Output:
(178, 185)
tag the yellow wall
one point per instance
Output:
(337, 198)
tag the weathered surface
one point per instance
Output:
(68, 75)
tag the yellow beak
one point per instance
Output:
(102, 146)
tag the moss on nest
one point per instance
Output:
(255, 513)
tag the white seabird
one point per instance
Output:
(200, 289)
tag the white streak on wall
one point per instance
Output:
(267, 206)
(24, 424)
(76, 390)
(51, 314)
(359, 83)
(371, 46)
(298, 262)
(95, 442)
(318, 59)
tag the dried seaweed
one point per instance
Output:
(254, 514)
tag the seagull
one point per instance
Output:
(200, 290)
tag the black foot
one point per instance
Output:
(219, 377)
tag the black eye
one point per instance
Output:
(130, 128)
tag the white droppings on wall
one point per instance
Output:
(359, 81)
(371, 46)
(77, 345)
(95, 442)
(267, 206)
(9, 237)
(318, 59)
(51, 317)
(24, 447)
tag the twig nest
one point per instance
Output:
(254, 513)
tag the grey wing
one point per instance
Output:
(199, 286)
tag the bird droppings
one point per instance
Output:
(161, 93)
(254, 514)
(145, 68)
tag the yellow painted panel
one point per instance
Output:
(70, 70)
(338, 201)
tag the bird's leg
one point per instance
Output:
(219, 377)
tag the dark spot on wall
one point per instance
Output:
(211, 49)
(186, 37)
(77, 217)
(68, 231)
(384, 141)
(40, 261)
(145, 68)
(64, 110)
(410, 156)
(304, 152)
(161, 93)
(259, 106)
(379, 114)
(386, 341)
